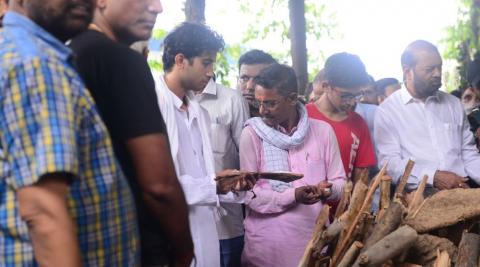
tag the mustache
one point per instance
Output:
(89, 5)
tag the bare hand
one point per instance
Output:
(237, 181)
(324, 189)
(307, 195)
(449, 180)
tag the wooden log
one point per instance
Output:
(468, 250)
(390, 246)
(364, 176)
(346, 193)
(446, 208)
(332, 232)
(417, 198)
(366, 227)
(403, 180)
(390, 222)
(358, 197)
(385, 187)
(443, 260)
(307, 259)
(424, 251)
(344, 244)
(351, 254)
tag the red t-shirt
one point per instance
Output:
(353, 139)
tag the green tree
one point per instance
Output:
(261, 24)
(462, 41)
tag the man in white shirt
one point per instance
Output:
(228, 112)
(427, 125)
(190, 52)
(249, 66)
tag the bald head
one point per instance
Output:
(422, 69)
(409, 56)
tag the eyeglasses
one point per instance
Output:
(345, 96)
(267, 104)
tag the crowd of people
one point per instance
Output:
(105, 163)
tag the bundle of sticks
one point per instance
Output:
(408, 229)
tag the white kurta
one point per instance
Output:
(193, 176)
(189, 137)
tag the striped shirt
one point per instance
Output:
(49, 124)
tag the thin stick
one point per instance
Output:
(403, 181)
(385, 186)
(344, 244)
(443, 259)
(417, 197)
(322, 219)
(347, 191)
(351, 254)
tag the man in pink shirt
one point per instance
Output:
(281, 216)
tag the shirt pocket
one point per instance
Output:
(315, 169)
(452, 141)
(220, 137)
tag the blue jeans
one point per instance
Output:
(231, 251)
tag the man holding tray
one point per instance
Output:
(281, 216)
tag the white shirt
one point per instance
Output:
(198, 186)
(228, 112)
(435, 134)
(367, 111)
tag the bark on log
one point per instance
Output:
(346, 193)
(358, 197)
(307, 258)
(366, 227)
(468, 250)
(390, 222)
(403, 181)
(424, 251)
(344, 244)
(351, 254)
(445, 208)
(390, 246)
(385, 187)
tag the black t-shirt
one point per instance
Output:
(122, 85)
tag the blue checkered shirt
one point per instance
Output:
(49, 124)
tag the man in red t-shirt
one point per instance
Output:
(345, 75)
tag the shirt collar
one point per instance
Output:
(177, 102)
(211, 88)
(14, 20)
(408, 98)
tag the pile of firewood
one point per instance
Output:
(407, 230)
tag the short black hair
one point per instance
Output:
(254, 57)
(408, 56)
(383, 83)
(191, 40)
(346, 71)
(280, 77)
(319, 77)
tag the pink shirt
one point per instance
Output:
(277, 229)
